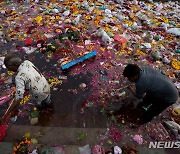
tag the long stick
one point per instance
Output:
(124, 87)
(9, 106)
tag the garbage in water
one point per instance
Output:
(101, 36)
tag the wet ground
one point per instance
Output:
(67, 99)
(87, 107)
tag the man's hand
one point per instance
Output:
(132, 90)
(130, 87)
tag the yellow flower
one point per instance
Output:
(49, 55)
(58, 17)
(176, 64)
(25, 99)
(166, 20)
(10, 73)
(54, 81)
(128, 22)
(102, 49)
(88, 17)
(38, 19)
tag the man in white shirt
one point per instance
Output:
(28, 78)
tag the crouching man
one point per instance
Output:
(157, 90)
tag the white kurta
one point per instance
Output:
(29, 78)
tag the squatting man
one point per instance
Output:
(156, 89)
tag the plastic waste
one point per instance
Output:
(82, 85)
(34, 121)
(173, 127)
(104, 36)
(97, 149)
(66, 13)
(155, 55)
(120, 39)
(3, 129)
(34, 141)
(176, 111)
(76, 20)
(34, 151)
(117, 150)
(28, 42)
(54, 150)
(147, 45)
(138, 139)
(85, 150)
(166, 60)
(4, 99)
(34, 114)
(29, 50)
(174, 31)
(87, 42)
(27, 135)
(55, 10)
(101, 1)
(159, 7)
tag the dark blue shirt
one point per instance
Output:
(153, 83)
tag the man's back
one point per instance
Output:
(157, 85)
(29, 77)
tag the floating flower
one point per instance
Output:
(38, 19)
(138, 139)
(176, 64)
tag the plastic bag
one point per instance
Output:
(50, 150)
(3, 129)
(97, 149)
(85, 150)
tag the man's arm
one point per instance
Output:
(139, 92)
(132, 90)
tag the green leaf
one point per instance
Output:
(81, 136)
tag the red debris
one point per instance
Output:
(115, 133)
(28, 42)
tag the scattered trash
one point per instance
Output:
(97, 149)
(117, 150)
(115, 133)
(34, 151)
(175, 31)
(138, 139)
(55, 150)
(115, 32)
(85, 149)
(22, 146)
(63, 77)
(104, 36)
(34, 141)
(128, 149)
(3, 129)
(81, 136)
(81, 59)
(34, 121)
(27, 135)
(82, 86)
(173, 127)
(4, 99)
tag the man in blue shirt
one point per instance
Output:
(156, 89)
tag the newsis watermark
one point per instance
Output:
(165, 145)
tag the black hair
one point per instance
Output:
(131, 70)
(12, 59)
